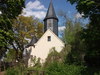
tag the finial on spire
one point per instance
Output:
(51, 1)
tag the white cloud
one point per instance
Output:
(78, 15)
(61, 28)
(35, 5)
(61, 31)
(37, 14)
(36, 9)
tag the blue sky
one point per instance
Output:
(41, 6)
(59, 5)
(38, 9)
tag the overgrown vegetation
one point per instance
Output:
(24, 28)
(81, 55)
(91, 34)
(9, 10)
(19, 69)
(57, 68)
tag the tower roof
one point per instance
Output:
(51, 12)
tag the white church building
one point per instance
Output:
(41, 48)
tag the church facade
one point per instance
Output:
(42, 47)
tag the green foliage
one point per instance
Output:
(87, 7)
(10, 56)
(92, 44)
(6, 35)
(37, 68)
(72, 38)
(17, 70)
(24, 28)
(65, 51)
(36, 62)
(55, 64)
(53, 56)
(61, 69)
(9, 9)
(69, 33)
(34, 70)
(91, 9)
(97, 73)
(72, 31)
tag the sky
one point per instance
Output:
(38, 9)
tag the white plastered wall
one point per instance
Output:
(43, 46)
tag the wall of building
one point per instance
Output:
(45, 44)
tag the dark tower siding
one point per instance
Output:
(55, 27)
(45, 26)
(51, 20)
(51, 24)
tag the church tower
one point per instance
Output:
(51, 20)
(40, 48)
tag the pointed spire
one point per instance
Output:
(51, 12)
(51, 1)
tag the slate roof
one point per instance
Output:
(51, 12)
(33, 41)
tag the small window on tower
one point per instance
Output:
(49, 38)
(49, 24)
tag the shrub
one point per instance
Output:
(97, 73)
(16, 70)
(62, 69)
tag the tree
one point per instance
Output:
(53, 56)
(9, 9)
(9, 55)
(91, 9)
(57, 68)
(24, 28)
(74, 49)
(72, 38)
(87, 7)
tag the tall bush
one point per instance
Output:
(62, 69)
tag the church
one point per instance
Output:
(41, 48)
